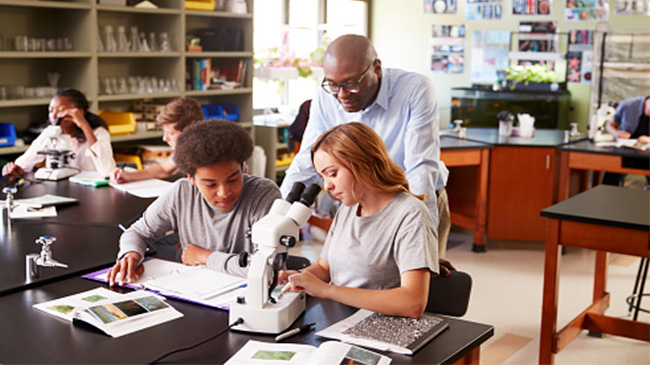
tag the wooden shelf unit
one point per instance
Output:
(84, 68)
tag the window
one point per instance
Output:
(296, 28)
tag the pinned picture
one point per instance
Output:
(440, 6)
(448, 48)
(583, 10)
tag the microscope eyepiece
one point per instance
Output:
(295, 193)
(310, 195)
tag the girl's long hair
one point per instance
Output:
(357, 147)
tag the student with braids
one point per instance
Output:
(382, 247)
(90, 142)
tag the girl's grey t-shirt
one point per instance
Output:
(183, 207)
(372, 252)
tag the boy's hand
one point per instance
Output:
(127, 268)
(194, 255)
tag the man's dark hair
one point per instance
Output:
(210, 142)
(80, 102)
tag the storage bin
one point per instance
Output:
(221, 111)
(207, 5)
(119, 123)
(7, 134)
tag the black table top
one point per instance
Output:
(453, 142)
(542, 138)
(589, 147)
(82, 248)
(606, 205)
(97, 205)
(30, 336)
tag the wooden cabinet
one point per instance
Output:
(85, 67)
(522, 183)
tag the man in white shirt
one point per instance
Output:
(400, 106)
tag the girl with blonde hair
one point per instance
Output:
(382, 247)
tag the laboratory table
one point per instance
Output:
(468, 163)
(31, 336)
(605, 219)
(578, 158)
(97, 205)
(521, 181)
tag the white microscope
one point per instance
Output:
(272, 236)
(57, 156)
(597, 125)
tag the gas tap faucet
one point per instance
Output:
(45, 259)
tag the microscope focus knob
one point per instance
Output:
(243, 259)
(288, 241)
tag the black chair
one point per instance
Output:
(450, 295)
(297, 262)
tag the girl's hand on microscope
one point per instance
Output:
(309, 283)
(283, 275)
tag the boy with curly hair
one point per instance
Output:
(212, 208)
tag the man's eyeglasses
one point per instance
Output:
(352, 87)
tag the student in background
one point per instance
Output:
(212, 208)
(632, 120)
(399, 106)
(90, 140)
(381, 248)
(177, 115)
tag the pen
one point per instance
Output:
(294, 331)
(122, 227)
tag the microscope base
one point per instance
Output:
(46, 173)
(273, 318)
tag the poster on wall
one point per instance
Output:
(541, 38)
(448, 49)
(489, 55)
(531, 7)
(581, 10)
(633, 7)
(483, 9)
(440, 6)
(580, 56)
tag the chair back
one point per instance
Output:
(450, 295)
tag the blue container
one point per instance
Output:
(7, 134)
(221, 111)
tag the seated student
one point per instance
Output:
(382, 246)
(177, 115)
(212, 208)
(633, 118)
(90, 142)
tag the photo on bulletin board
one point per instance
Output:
(538, 36)
(440, 6)
(448, 48)
(531, 7)
(580, 55)
(483, 9)
(633, 7)
(582, 10)
(490, 50)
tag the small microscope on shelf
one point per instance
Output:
(273, 236)
(56, 155)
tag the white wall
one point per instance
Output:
(401, 31)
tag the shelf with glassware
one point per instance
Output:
(83, 61)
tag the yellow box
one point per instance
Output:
(119, 123)
(207, 5)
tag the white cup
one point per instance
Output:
(526, 125)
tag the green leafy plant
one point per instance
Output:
(525, 74)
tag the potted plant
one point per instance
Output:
(532, 78)
(506, 119)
